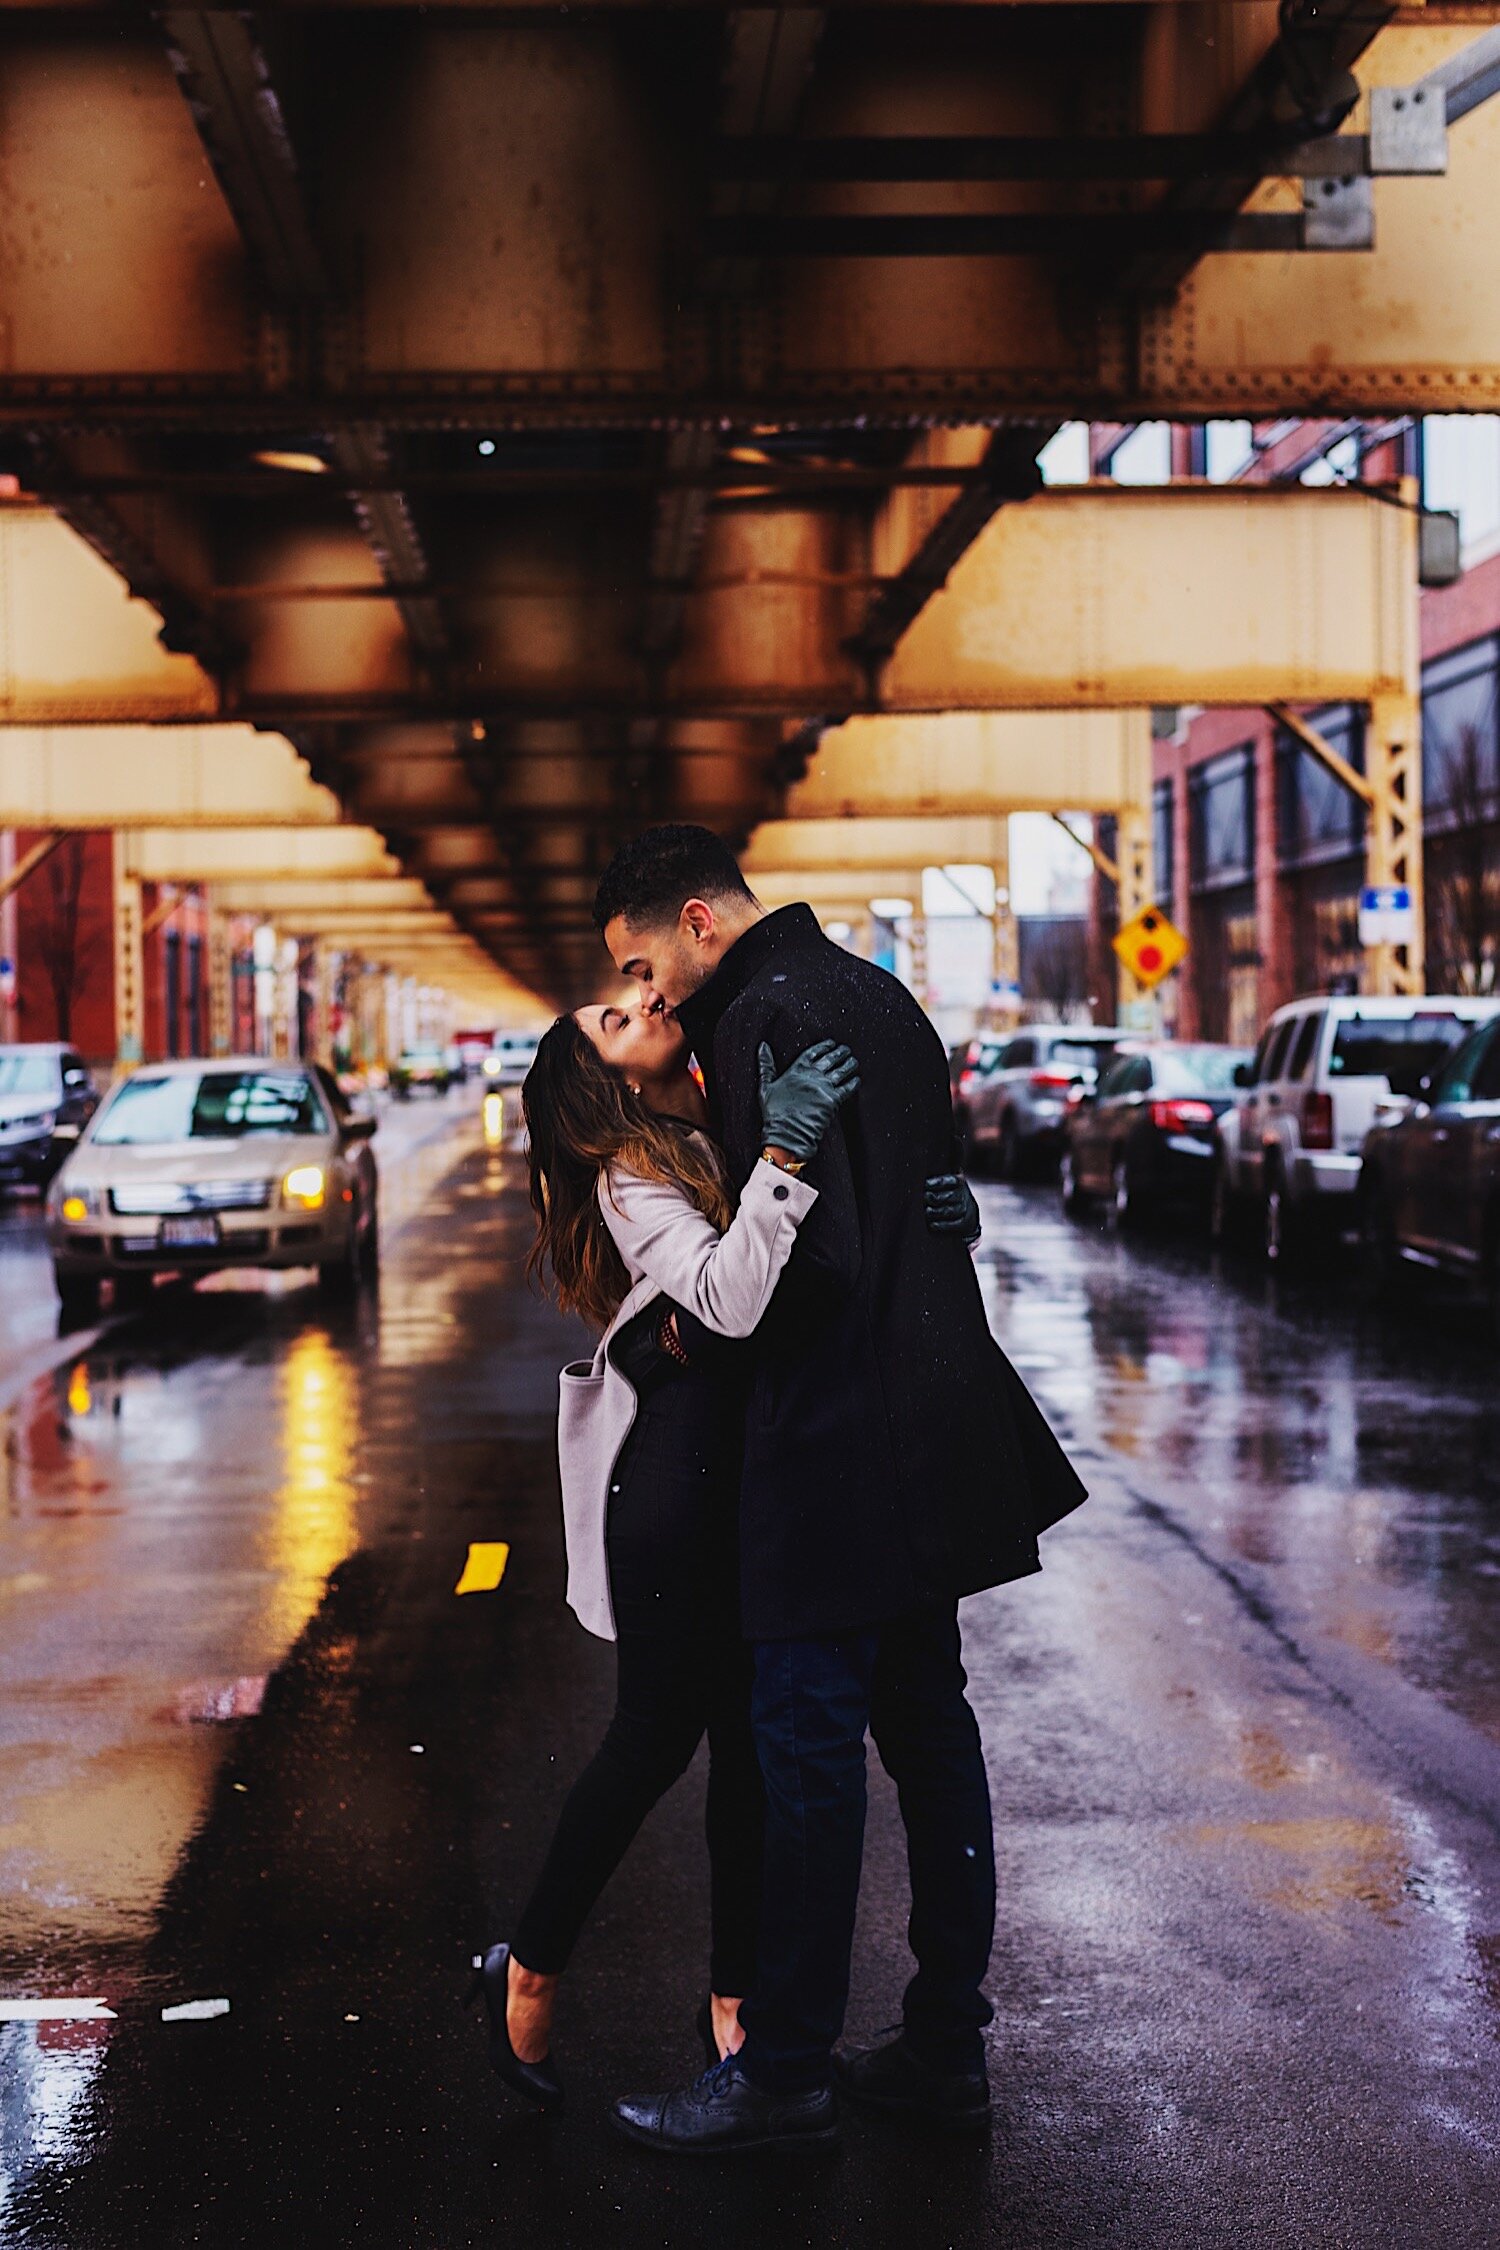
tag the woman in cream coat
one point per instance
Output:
(638, 1232)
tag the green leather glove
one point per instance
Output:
(950, 1206)
(797, 1108)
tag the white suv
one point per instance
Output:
(1291, 1150)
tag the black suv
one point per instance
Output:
(46, 1099)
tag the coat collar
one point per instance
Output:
(790, 929)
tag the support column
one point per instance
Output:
(220, 984)
(130, 963)
(1133, 849)
(7, 938)
(1393, 841)
(1007, 962)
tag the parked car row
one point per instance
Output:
(1368, 1115)
(47, 1096)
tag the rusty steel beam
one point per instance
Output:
(222, 61)
(36, 856)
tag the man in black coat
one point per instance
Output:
(893, 1463)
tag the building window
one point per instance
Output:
(1461, 471)
(1221, 807)
(1145, 457)
(1319, 819)
(1064, 459)
(1162, 842)
(1460, 766)
(1228, 448)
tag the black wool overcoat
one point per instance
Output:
(893, 1456)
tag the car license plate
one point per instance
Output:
(189, 1234)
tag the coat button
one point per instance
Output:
(780, 1193)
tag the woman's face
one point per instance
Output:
(646, 1047)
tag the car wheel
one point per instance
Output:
(1276, 1237)
(371, 1247)
(77, 1294)
(1008, 1151)
(340, 1277)
(1074, 1201)
(1124, 1199)
(1379, 1257)
(1492, 1275)
(1221, 1212)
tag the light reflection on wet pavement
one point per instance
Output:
(1244, 1735)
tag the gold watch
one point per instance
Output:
(792, 1164)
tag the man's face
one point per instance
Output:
(671, 960)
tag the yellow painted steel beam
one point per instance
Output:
(1112, 596)
(248, 855)
(851, 846)
(1095, 598)
(977, 763)
(278, 897)
(137, 776)
(73, 645)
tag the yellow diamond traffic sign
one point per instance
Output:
(1150, 946)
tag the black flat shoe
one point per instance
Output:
(537, 2083)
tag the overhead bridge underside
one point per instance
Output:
(544, 421)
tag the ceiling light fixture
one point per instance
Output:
(303, 464)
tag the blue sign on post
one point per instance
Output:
(1385, 915)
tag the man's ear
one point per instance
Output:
(697, 921)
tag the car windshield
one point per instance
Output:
(21, 1073)
(1086, 1055)
(1403, 1050)
(1203, 1070)
(28, 1074)
(221, 1105)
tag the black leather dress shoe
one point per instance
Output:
(722, 2114)
(892, 2077)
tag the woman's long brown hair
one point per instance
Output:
(581, 1117)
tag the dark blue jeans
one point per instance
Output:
(812, 1703)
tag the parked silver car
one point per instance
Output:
(1290, 1153)
(1015, 1105)
(189, 1167)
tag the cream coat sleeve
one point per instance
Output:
(726, 1279)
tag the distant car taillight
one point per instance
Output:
(1053, 1078)
(1317, 1121)
(966, 1079)
(1181, 1116)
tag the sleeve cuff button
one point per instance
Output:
(781, 1193)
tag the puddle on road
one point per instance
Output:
(1318, 1866)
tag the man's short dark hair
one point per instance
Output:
(650, 880)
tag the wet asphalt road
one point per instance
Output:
(1244, 1735)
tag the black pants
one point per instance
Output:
(812, 1703)
(681, 1671)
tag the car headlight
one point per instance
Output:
(74, 1204)
(305, 1186)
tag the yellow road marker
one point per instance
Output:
(485, 1567)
